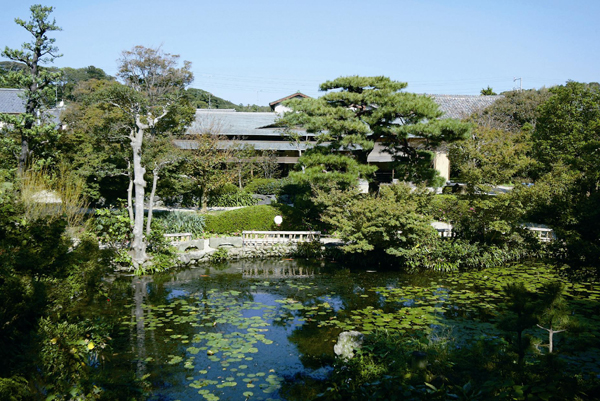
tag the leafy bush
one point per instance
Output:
(250, 218)
(383, 224)
(220, 255)
(265, 186)
(451, 255)
(182, 222)
(112, 227)
(228, 188)
(232, 200)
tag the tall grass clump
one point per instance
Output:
(182, 222)
(53, 195)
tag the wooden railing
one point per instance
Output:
(257, 238)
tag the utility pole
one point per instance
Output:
(520, 83)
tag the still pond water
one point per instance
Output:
(251, 329)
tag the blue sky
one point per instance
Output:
(259, 51)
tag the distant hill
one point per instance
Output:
(200, 99)
(72, 76)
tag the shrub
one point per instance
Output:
(232, 200)
(220, 255)
(113, 227)
(182, 222)
(250, 218)
(228, 188)
(265, 186)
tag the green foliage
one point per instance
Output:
(57, 193)
(112, 227)
(232, 200)
(220, 255)
(249, 218)
(491, 157)
(553, 311)
(521, 315)
(68, 353)
(14, 388)
(326, 170)
(93, 143)
(229, 195)
(35, 138)
(388, 223)
(446, 255)
(568, 129)
(513, 112)
(488, 91)
(182, 222)
(356, 111)
(265, 186)
(71, 77)
(45, 280)
(566, 142)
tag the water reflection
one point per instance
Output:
(248, 327)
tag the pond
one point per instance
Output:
(251, 329)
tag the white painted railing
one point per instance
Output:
(256, 238)
(178, 237)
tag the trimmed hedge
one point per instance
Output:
(258, 218)
(265, 186)
(249, 218)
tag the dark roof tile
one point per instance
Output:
(11, 102)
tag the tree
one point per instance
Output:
(566, 144)
(513, 111)
(358, 111)
(387, 223)
(33, 78)
(95, 142)
(71, 77)
(207, 165)
(520, 315)
(153, 84)
(554, 311)
(488, 91)
(490, 157)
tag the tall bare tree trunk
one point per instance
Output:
(138, 246)
(155, 177)
(130, 194)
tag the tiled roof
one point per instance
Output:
(462, 106)
(232, 123)
(283, 99)
(258, 145)
(10, 102)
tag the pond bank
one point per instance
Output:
(200, 251)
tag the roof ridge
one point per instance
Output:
(471, 96)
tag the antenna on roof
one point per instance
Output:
(520, 83)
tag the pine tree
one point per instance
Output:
(34, 79)
(358, 111)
